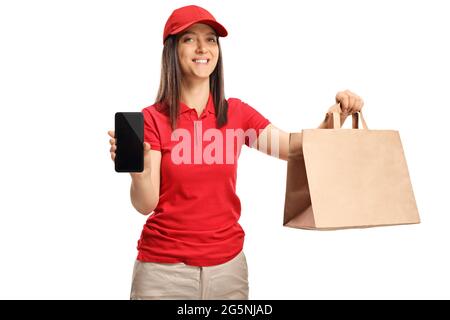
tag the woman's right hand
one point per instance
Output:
(147, 161)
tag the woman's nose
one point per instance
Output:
(201, 47)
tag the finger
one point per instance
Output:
(358, 104)
(351, 103)
(113, 149)
(113, 156)
(343, 100)
(147, 146)
(339, 96)
(111, 133)
(112, 141)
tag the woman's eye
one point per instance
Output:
(187, 39)
(212, 39)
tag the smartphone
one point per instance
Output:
(129, 134)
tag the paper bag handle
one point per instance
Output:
(337, 118)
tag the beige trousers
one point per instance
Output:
(180, 281)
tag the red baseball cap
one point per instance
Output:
(184, 17)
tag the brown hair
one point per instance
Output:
(170, 83)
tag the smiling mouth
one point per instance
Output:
(200, 61)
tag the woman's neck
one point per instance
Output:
(195, 94)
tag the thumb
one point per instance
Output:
(146, 146)
(334, 108)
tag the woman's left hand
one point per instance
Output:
(350, 102)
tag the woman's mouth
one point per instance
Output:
(200, 61)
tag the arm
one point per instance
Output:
(144, 190)
(272, 138)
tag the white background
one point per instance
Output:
(67, 226)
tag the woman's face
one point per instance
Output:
(198, 51)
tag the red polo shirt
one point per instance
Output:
(196, 219)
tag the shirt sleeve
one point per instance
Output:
(151, 134)
(252, 119)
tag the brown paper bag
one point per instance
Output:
(347, 178)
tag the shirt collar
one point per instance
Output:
(209, 106)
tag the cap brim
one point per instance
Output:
(220, 30)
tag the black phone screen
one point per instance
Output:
(129, 134)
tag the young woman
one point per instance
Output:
(191, 246)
